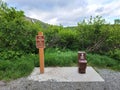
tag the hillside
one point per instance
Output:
(42, 24)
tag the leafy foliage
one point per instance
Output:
(92, 35)
(97, 36)
(15, 32)
(115, 54)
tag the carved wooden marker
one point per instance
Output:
(82, 63)
(40, 45)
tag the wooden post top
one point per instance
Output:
(40, 33)
(81, 51)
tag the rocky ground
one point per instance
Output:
(112, 82)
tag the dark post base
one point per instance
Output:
(82, 71)
(82, 66)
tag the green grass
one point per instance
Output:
(58, 58)
(101, 61)
(69, 58)
(23, 65)
(13, 69)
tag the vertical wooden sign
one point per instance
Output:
(40, 45)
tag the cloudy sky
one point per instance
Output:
(67, 12)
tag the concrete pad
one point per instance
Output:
(65, 74)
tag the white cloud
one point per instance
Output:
(53, 21)
(67, 12)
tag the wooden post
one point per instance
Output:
(41, 59)
(41, 56)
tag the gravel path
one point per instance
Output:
(112, 82)
(112, 79)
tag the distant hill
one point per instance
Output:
(42, 24)
(46, 25)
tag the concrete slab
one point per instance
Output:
(65, 74)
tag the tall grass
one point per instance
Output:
(23, 66)
(16, 68)
(103, 61)
(56, 57)
(60, 58)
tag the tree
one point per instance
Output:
(92, 33)
(117, 21)
(16, 33)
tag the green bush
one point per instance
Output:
(10, 55)
(114, 54)
(68, 39)
(16, 33)
(51, 36)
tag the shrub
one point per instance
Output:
(115, 54)
(68, 39)
(16, 33)
(10, 55)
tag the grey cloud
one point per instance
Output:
(99, 9)
(66, 12)
(48, 4)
